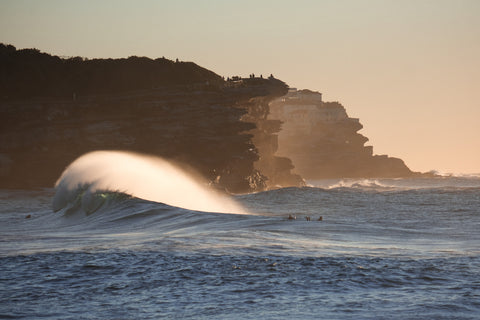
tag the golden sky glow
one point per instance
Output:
(410, 70)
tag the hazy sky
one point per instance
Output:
(409, 69)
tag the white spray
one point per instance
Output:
(147, 177)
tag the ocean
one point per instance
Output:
(337, 249)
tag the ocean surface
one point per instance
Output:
(383, 249)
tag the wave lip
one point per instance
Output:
(146, 177)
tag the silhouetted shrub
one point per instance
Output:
(29, 73)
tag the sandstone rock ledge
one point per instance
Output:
(208, 128)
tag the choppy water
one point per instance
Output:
(385, 249)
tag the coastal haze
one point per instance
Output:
(409, 70)
(239, 160)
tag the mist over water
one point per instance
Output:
(146, 177)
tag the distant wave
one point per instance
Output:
(440, 182)
(456, 175)
(356, 184)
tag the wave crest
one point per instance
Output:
(85, 181)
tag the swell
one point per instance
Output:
(354, 222)
(117, 210)
(108, 214)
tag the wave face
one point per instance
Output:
(151, 178)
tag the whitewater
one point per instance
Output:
(125, 236)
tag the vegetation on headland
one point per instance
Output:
(30, 73)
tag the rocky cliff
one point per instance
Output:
(323, 141)
(197, 119)
(265, 138)
(240, 134)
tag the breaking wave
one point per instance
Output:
(400, 184)
(100, 177)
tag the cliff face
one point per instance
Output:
(323, 141)
(277, 169)
(238, 133)
(175, 110)
(198, 127)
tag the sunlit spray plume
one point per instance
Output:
(141, 176)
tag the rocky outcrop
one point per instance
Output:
(197, 119)
(237, 133)
(323, 141)
(198, 127)
(277, 169)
